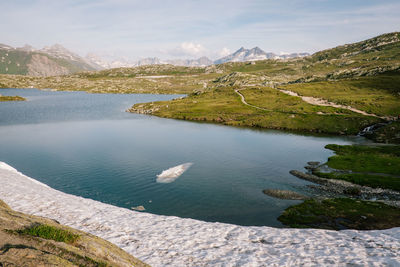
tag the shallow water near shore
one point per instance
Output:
(87, 145)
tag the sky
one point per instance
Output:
(171, 29)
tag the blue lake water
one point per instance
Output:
(87, 145)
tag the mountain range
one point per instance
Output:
(255, 54)
(240, 55)
(57, 60)
(52, 60)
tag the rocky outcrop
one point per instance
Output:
(357, 72)
(41, 65)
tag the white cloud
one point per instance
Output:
(188, 49)
(224, 52)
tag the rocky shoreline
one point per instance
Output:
(344, 188)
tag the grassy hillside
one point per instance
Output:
(378, 94)
(223, 105)
(363, 75)
(159, 70)
(15, 61)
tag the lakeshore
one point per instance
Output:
(301, 95)
(172, 241)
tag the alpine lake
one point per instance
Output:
(88, 145)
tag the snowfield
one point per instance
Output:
(171, 241)
(171, 174)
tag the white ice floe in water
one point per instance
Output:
(172, 241)
(170, 175)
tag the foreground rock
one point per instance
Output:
(17, 249)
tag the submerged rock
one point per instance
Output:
(138, 208)
(309, 177)
(284, 194)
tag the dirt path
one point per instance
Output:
(326, 103)
(313, 101)
(247, 104)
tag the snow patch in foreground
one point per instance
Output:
(172, 241)
(170, 175)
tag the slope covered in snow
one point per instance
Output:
(171, 241)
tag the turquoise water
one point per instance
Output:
(87, 145)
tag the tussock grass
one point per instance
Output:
(50, 232)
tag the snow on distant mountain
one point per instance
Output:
(58, 51)
(200, 62)
(240, 55)
(123, 63)
(149, 61)
(255, 54)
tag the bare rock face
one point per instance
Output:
(41, 65)
(18, 249)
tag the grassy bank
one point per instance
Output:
(223, 105)
(372, 166)
(11, 98)
(377, 167)
(368, 159)
(341, 213)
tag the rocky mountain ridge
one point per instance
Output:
(49, 61)
(241, 55)
(254, 54)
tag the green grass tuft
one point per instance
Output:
(50, 232)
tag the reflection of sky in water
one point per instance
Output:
(85, 144)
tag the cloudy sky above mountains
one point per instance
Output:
(190, 29)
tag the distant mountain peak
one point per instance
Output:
(257, 50)
(254, 54)
(58, 50)
(27, 48)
